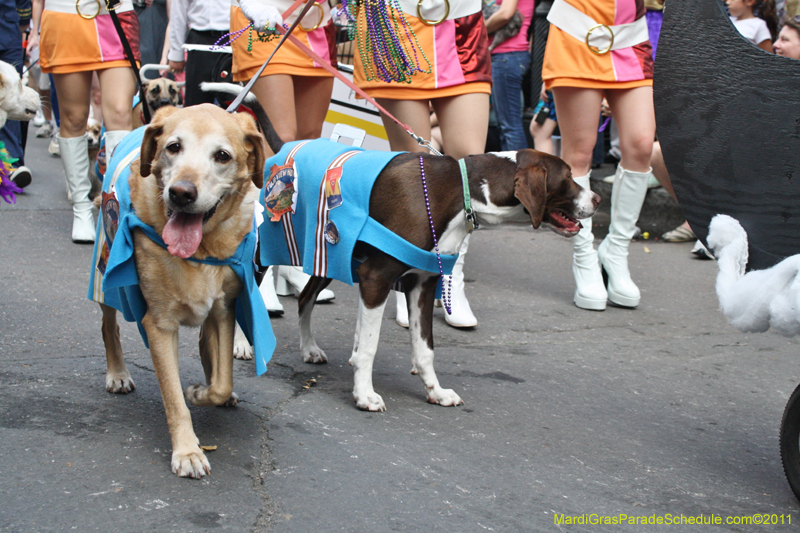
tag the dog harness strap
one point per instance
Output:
(472, 221)
(386, 240)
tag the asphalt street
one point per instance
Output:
(661, 411)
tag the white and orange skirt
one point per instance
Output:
(315, 31)
(454, 52)
(80, 37)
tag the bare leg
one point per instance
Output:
(276, 95)
(543, 135)
(415, 114)
(118, 87)
(464, 121)
(312, 97)
(578, 111)
(636, 120)
(73, 100)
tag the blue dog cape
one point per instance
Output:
(316, 195)
(114, 281)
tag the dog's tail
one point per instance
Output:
(231, 89)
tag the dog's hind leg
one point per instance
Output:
(306, 301)
(216, 354)
(420, 293)
(118, 379)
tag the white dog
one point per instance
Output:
(756, 300)
(17, 102)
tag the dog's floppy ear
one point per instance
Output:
(150, 140)
(530, 185)
(257, 155)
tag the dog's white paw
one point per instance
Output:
(371, 401)
(314, 355)
(119, 383)
(191, 464)
(242, 350)
(241, 347)
(444, 397)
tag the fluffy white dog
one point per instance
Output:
(17, 102)
(754, 301)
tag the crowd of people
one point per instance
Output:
(455, 59)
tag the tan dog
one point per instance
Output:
(195, 184)
(159, 93)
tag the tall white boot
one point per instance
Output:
(461, 316)
(402, 309)
(292, 280)
(627, 197)
(267, 290)
(590, 292)
(75, 157)
(112, 140)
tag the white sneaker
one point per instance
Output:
(38, 120)
(53, 148)
(46, 130)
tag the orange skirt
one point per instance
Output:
(454, 56)
(70, 43)
(568, 62)
(289, 59)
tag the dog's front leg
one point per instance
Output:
(188, 460)
(369, 320)
(420, 299)
(216, 354)
(118, 379)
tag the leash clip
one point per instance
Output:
(422, 142)
(471, 223)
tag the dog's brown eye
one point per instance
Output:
(174, 148)
(222, 156)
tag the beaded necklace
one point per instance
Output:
(445, 288)
(384, 55)
(261, 37)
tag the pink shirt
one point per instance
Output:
(518, 43)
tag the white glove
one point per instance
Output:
(262, 15)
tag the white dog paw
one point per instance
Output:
(119, 383)
(192, 464)
(369, 402)
(242, 350)
(444, 397)
(241, 347)
(314, 355)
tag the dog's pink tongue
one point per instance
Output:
(183, 234)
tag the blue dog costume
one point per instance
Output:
(316, 194)
(114, 281)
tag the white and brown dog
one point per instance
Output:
(525, 186)
(17, 102)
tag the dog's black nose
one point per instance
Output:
(182, 193)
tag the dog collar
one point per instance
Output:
(471, 223)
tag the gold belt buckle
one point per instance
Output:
(317, 25)
(87, 17)
(433, 22)
(595, 50)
